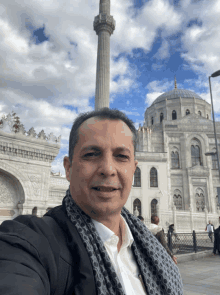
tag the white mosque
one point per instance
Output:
(174, 179)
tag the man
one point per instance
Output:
(158, 232)
(216, 241)
(110, 250)
(210, 229)
(172, 231)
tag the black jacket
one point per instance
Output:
(216, 240)
(30, 256)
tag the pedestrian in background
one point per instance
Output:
(210, 229)
(141, 218)
(172, 231)
(158, 232)
(217, 241)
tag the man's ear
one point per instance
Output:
(66, 164)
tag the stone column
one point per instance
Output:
(104, 25)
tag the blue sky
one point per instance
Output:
(48, 58)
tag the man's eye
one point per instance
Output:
(123, 156)
(90, 154)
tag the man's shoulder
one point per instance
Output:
(27, 229)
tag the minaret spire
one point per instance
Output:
(175, 84)
(104, 25)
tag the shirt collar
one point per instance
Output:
(106, 234)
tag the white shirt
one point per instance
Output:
(124, 262)
(210, 228)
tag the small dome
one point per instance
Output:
(176, 93)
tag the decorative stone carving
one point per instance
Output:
(52, 138)
(104, 22)
(42, 135)
(21, 130)
(36, 184)
(7, 192)
(32, 132)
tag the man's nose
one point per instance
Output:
(107, 166)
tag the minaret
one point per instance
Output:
(175, 84)
(104, 25)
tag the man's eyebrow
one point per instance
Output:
(96, 148)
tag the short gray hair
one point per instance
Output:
(104, 113)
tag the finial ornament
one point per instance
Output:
(175, 84)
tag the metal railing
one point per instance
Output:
(183, 243)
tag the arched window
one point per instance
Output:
(214, 161)
(152, 120)
(177, 199)
(34, 211)
(200, 200)
(175, 160)
(153, 207)
(187, 112)
(199, 112)
(207, 116)
(217, 204)
(137, 177)
(153, 177)
(161, 117)
(195, 155)
(137, 203)
(174, 115)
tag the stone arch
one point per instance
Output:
(174, 115)
(178, 199)
(12, 195)
(196, 152)
(200, 200)
(175, 157)
(137, 203)
(203, 139)
(21, 177)
(137, 177)
(153, 177)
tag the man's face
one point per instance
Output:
(103, 157)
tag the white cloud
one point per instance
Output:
(156, 88)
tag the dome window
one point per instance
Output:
(152, 121)
(187, 112)
(174, 117)
(207, 116)
(199, 112)
(161, 117)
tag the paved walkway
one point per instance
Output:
(201, 276)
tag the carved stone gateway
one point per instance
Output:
(11, 193)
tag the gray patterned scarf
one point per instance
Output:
(160, 274)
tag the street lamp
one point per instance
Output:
(216, 74)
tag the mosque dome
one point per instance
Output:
(176, 93)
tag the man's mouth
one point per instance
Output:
(104, 189)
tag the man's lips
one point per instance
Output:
(104, 188)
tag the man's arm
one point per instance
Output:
(26, 259)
